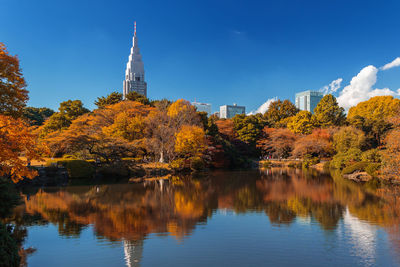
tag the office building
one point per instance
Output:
(202, 107)
(229, 111)
(134, 73)
(308, 100)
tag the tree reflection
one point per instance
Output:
(129, 212)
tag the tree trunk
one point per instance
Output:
(162, 157)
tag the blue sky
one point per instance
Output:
(219, 52)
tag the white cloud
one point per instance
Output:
(361, 88)
(264, 107)
(332, 87)
(394, 63)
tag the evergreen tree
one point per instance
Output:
(111, 99)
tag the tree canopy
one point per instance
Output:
(328, 113)
(135, 96)
(301, 123)
(37, 116)
(111, 99)
(278, 111)
(13, 95)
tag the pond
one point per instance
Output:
(275, 217)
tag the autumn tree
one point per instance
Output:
(328, 113)
(372, 116)
(135, 96)
(106, 133)
(16, 141)
(15, 138)
(277, 143)
(278, 111)
(160, 135)
(316, 144)
(111, 99)
(162, 124)
(37, 116)
(190, 141)
(301, 123)
(391, 153)
(13, 95)
(226, 128)
(347, 138)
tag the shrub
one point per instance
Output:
(344, 159)
(177, 164)
(309, 160)
(373, 168)
(75, 168)
(196, 164)
(372, 155)
(358, 166)
(79, 168)
(117, 169)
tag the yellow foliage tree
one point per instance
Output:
(178, 107)
(190, 141)
(376, 108)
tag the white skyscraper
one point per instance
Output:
(134, 74)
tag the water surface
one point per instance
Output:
(277, 217)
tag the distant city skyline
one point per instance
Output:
(236, 52)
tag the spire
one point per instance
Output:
(134, 34)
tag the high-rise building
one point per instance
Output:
(202, 107)
(308, 100)
(229, 111)
(134, 74)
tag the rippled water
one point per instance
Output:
(278, 217)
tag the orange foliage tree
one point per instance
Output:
(391, 155)
(105, 133)
(277, 142)
(226, 128)
(16, 140)
(13, 94)
(317, 144)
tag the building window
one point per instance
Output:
(137, 78)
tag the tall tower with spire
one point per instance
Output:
(134, 73)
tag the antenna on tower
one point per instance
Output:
(135, 29)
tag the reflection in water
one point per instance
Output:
(362, 236)
(133, 252)
(130, 212)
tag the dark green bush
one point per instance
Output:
(344, 159)
(197, 164)
(117, 169)
(358, 166)
(8, 248)
(76, 168)
(309, 160)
